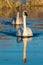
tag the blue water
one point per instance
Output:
(11, 52)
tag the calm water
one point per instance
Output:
(11, 52)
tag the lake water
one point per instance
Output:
(11, 52)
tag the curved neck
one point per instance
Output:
(24, 23)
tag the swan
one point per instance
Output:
(18, 20)
(26, 32)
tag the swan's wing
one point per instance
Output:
(29, 31)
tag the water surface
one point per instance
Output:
(11, 52)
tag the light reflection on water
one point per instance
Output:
(11, 52)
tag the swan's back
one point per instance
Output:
(29, 32)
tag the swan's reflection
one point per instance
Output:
(16, 26)
(25, 42)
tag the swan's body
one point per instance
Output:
(18, 20)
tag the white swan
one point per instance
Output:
(18, 19)
(26, 32)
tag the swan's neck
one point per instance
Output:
(17, 18)
(24, 23)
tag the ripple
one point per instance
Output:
(39, 25)
(5, 38)
(0, 27)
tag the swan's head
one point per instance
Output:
(25, 13)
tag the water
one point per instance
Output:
(11, 52)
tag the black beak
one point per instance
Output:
(26, 14)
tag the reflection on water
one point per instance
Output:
(0, 27)
(17, 26)
(31, 48)
(25, 41)
(4, 38)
